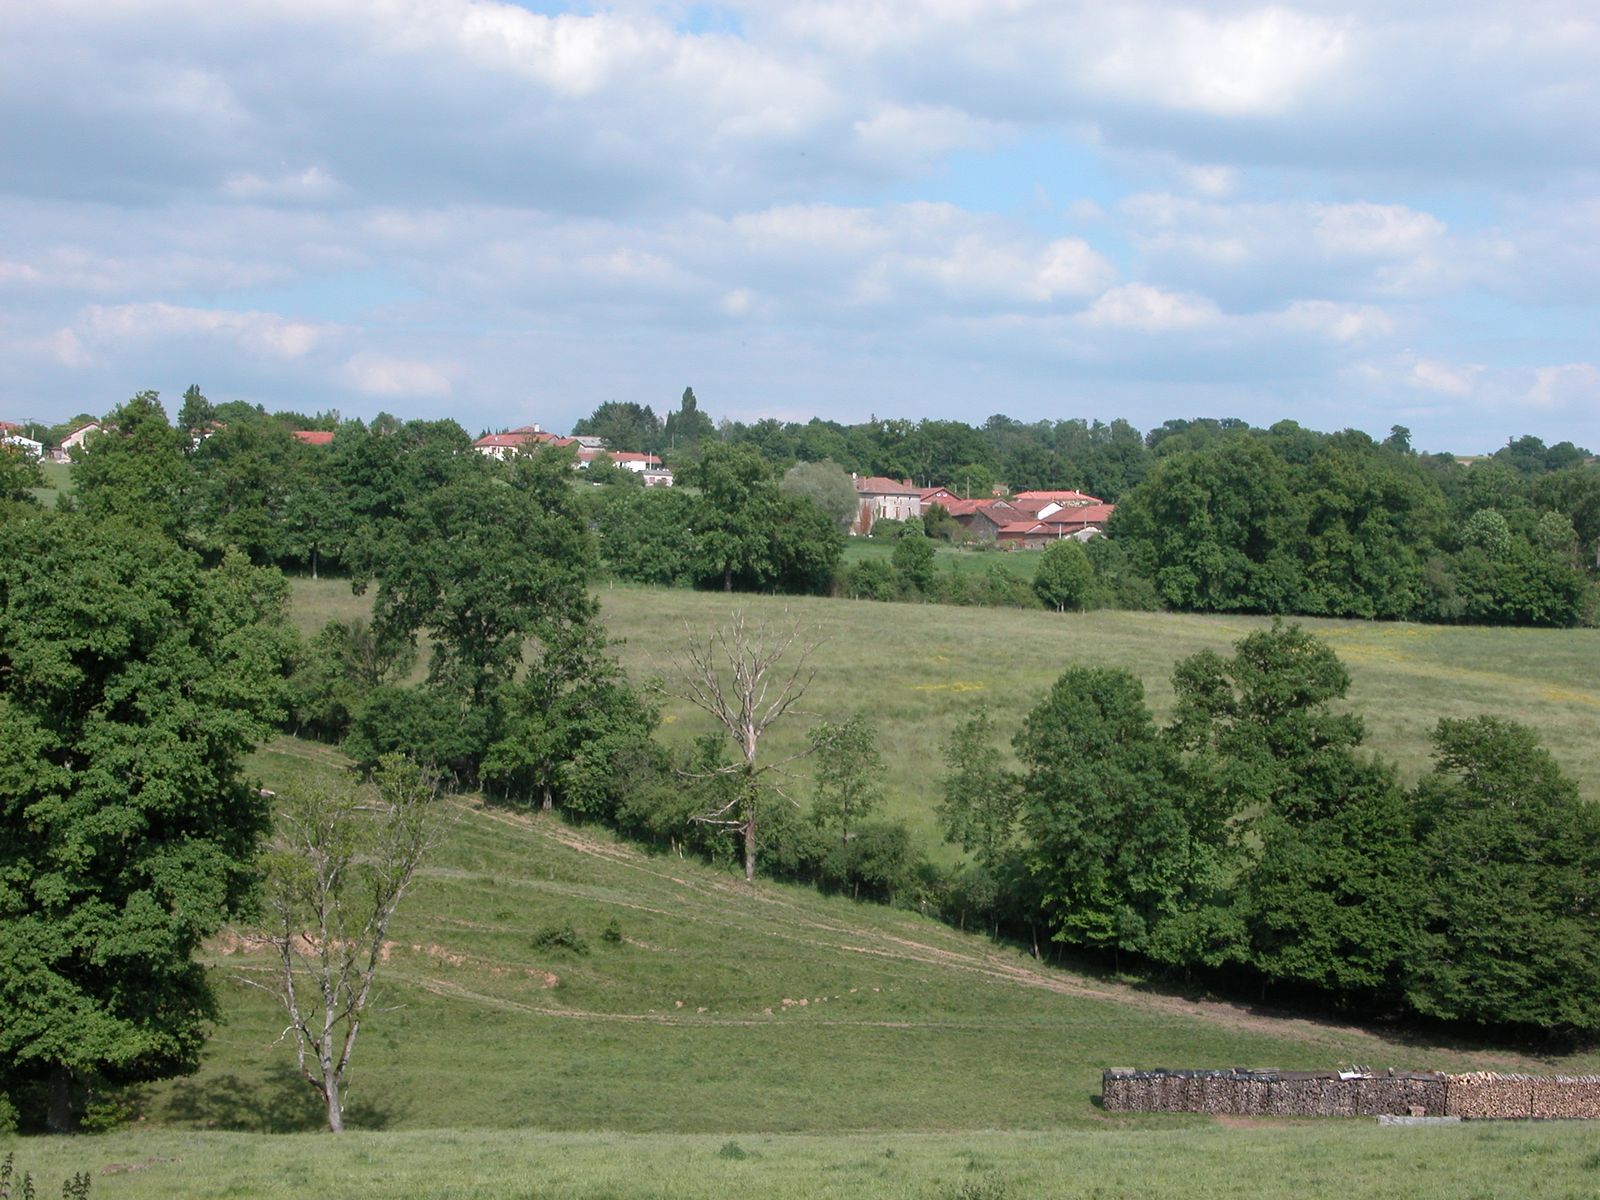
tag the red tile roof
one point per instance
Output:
(1061, 497)
(878, 485)
(313, 437)
(1085, 514)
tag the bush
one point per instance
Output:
(553, 938)
(870, 579)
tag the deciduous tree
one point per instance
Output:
(132, 683)
(340, 862)
(1065, 575)
(738, 676)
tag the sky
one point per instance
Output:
(1347, 215)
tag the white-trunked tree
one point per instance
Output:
(342, 857)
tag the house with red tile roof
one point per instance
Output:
(1067, 499)
(314, 437)
(881, 499)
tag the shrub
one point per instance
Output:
(554, 938)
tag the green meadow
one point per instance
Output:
(766, 1039)
(919, 669)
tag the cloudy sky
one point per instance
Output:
(1357, 214)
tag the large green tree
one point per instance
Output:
(1510, 903)
(134, 468)
(1108, 838)
(625, 425)
(480, 563)
(131, 685)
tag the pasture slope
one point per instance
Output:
(918, 670)
(756, 1039)
(769, 1040)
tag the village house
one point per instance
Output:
(526, 438)
(80, 435)
(881, 499)
(314, 437)
(11, 434)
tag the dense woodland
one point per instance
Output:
(1250, 843)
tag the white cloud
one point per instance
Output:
(1567, 385)
(259, 332)
(310, 184)
(1138, 306)
(1259, 62)
(388, 377)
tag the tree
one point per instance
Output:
(135, 468)
(340, 862)
(978, 809)
(826, 485)
(1330, 900)
(848, 771)
(980, 797)
(912, 561)
(624, 425)
(687, 428)
(1510, 901)
(1065, 575)
(647, 534)
(1218, 528)
(1261, 726)
(197, 412)
(19, 474)
(733, 522)
(1109, 840)
(734, 675)
(480, 563)
(132, 683)
(561, 727)
(245, 478)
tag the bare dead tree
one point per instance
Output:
(340, 862)
(734, 674)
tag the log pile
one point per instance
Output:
(1481, 1095)
(1491, 1095)
(1275, 1093)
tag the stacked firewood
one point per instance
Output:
(1275, 1093)
(1491, 1094)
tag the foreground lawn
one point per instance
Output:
(1341, 1160)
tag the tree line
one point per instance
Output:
(1252, 842)
(1212, 515)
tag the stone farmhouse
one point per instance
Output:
(880, 499)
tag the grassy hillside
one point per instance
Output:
(921, 669)
(754, 1039)
(724, 1008)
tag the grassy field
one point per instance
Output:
(919, 670)
(764, 1039)
(1347, 1160)
(58, 483)
(725, 1008)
